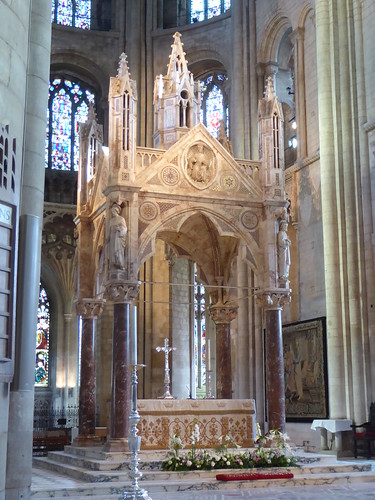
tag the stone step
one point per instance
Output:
(194, 482)
(110, 472)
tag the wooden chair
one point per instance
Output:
(364, 437)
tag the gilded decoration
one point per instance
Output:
(229, 182)
(170, 176)
(160, 420)
(200, 165)
(148, 211)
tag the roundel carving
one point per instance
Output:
(229, 182)
(170, 175)
(200, 165)
(249, 220)
(148, 211)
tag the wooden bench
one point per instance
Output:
(50, 440)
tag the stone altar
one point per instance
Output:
(160, 419)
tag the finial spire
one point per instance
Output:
(123, 68)
(270, 90)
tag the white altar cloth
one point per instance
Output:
(335, 427)
(332, 425)
(160, 419)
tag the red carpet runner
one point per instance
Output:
(254, 475)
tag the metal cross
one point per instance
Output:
(166, 349)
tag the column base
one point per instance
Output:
(87, 440)
(116, 444)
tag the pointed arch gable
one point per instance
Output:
(174, 221)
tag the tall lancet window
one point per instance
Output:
(75, 13)
(276, 140)
(126, 121)
(199, 334)
(42, 340)
(205, 9)
(68, 106)
(214, 102)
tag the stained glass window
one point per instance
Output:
(75, 13)
(199, 334)
(214, 102)
(205, 9)
(67, 107)
(42, 340)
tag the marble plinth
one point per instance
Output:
(162, 418)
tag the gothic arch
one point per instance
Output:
(174, 223)
(272, 37)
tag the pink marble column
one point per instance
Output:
(122, 295)
(275, 369)
(222, 315)
(88, 310)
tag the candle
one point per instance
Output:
(133, 335)
(208, 355)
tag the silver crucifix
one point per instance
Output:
(166, 349)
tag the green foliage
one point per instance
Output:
(271, 450)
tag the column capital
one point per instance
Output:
(223, 313)
(273, 299)
(122, 291)
(89, 308)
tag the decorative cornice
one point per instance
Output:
(223, 313)
(273, 299)
(89, 308)
(122, 291)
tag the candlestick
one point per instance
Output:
(133, 335)
(208, 355)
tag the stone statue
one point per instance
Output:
(283, 250)
(117, 238)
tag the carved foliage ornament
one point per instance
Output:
(122, 292)
(89, 308)
(273, 299)
(200, 165)
(222, 313)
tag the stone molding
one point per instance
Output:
(122, 291)
(89, 308)
(273, 299)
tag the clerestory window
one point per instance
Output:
(200, 10)
(75, 13)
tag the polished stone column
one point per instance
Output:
(274, 369)
(122, 294)
(272, 303)
(88, 310)
(222, 315)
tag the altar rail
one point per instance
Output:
(216, 418)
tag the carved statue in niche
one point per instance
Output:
(283, 250)
(117, 238)
(200, 166)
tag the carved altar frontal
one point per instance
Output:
(216, 418)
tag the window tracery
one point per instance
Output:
(68, 106)
(206, 9)
(42, 340)
(75, 13)
(214, 102)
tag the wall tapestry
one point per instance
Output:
(305, 373)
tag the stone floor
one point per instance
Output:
(359, 490)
